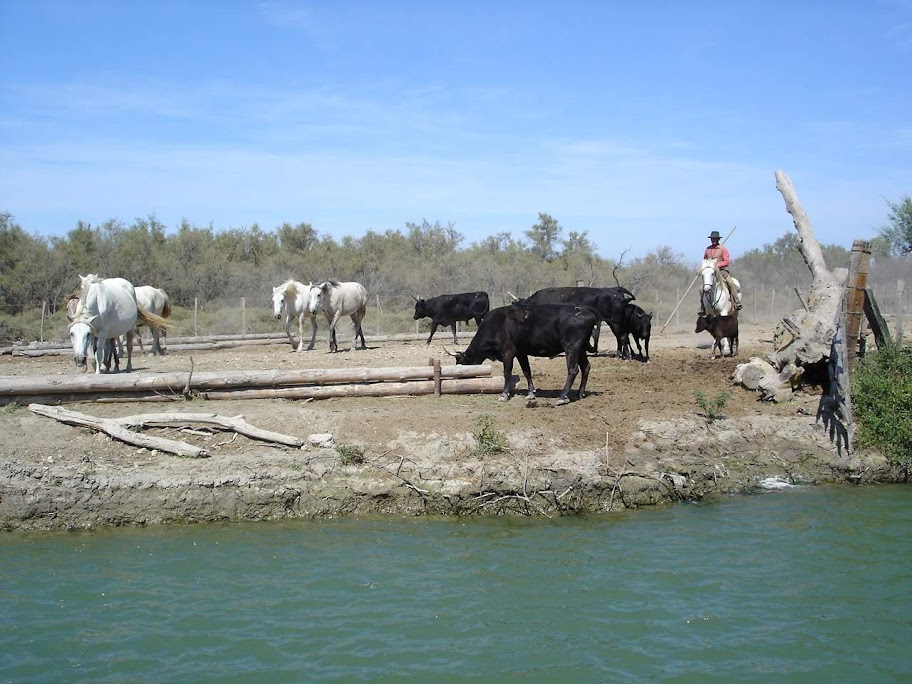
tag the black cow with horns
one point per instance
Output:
(449, 308)
(520, 331)
(607, 302)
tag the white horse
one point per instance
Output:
(717, 300)
(111, 346)
(91, 279)
(292, 298)
(153, 300)
(337, 300)
(108, 310)
(110, 352)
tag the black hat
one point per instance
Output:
(714, 234)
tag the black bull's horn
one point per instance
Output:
(455, 356)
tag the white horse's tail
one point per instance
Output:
(150, 319)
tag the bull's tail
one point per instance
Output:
(150, 319)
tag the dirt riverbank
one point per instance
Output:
(639, 438)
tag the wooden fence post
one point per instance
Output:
(243, 315)
(196, 316)
(859, 266)
(900, 306)
(379, 315)
(43, 311)
(678, 312)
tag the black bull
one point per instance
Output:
(449, 308)
(607, 302)
(520, 331)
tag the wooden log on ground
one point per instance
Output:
(176, 382)
(86, 397)
(485, 385)
(211, 343)
(489, 385)
(171, 347)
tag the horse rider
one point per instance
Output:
(719, 253)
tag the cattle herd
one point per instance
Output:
(552, 321)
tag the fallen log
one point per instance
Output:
(208, 342)
(488, 385)
(171, 347)
(177, 382)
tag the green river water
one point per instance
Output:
(804, 585)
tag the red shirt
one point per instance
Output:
(719, 253)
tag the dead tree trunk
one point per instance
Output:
(805, 336)
(816, 324)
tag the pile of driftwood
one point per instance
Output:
(254, 384)
(126, 429)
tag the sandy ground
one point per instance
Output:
(639, 437)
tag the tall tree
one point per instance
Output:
(544, 237)
(298, 238)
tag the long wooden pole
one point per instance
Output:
(692, 284)
(177, 382)
(484, 385)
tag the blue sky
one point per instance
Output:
(646, 124)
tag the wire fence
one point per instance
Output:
(394, 315)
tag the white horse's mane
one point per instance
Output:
(290, 286)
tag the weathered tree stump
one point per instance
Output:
(805, 337)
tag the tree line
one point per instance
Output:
(211, 268)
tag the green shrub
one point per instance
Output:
(488, 440)
(712, 408)
(882, 403)
(350, 454)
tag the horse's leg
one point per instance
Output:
(356, 325)
(357, 317)
(130, 351)
(313, 332)
(333, 344)
(300, 332)
(100, 345)
(287, 324)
